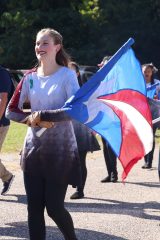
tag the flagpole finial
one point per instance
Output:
(128, 44)
(131, 41)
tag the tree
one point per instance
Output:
(91, 28)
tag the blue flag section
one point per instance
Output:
(113, 103)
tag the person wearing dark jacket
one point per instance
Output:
(5, 92)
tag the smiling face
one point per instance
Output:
(45, 48)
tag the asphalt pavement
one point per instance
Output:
(109, 210)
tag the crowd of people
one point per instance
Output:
(53, 160)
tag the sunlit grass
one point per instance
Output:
(15, 137)
(157, 136)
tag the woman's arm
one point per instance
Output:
(57, 115)
(47, 118)
(14, 109)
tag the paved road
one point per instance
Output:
(108, 211)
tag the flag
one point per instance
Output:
(151, 90)
(113, 103)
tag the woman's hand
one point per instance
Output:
(34, 120)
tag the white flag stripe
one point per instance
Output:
(142, 127)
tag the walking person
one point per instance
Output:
(86, 142)
(109, 155)
(50, 160)
(149, 71)
(5, 92)
(111, 163)
(155, 112)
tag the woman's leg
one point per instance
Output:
(149, 157)
(79, 193)
(106, 155)
(54, 196)
(82, 156)
(34, 186)
(113, 164)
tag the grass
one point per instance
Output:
(15, 137)
(157, 136)
(16, 134)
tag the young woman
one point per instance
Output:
(50, 160)
(149, 71)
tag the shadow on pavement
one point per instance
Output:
(146, 184)
(19, 230)
(146, 210)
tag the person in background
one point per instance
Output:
(109, 155)
(74, 66)
(149, 71)
(5, 92)
(49, 159)
(86, 141)
(155, 112)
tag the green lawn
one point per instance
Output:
(15, 138)
(17, 132)
(157, 137)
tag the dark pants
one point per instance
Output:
(149, 157)
(110, 159)
(82, 156)
(41, 193)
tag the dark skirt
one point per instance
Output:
(86, 140)
(53, 153)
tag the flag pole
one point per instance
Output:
(156, 120)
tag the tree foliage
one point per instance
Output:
(91, 28)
